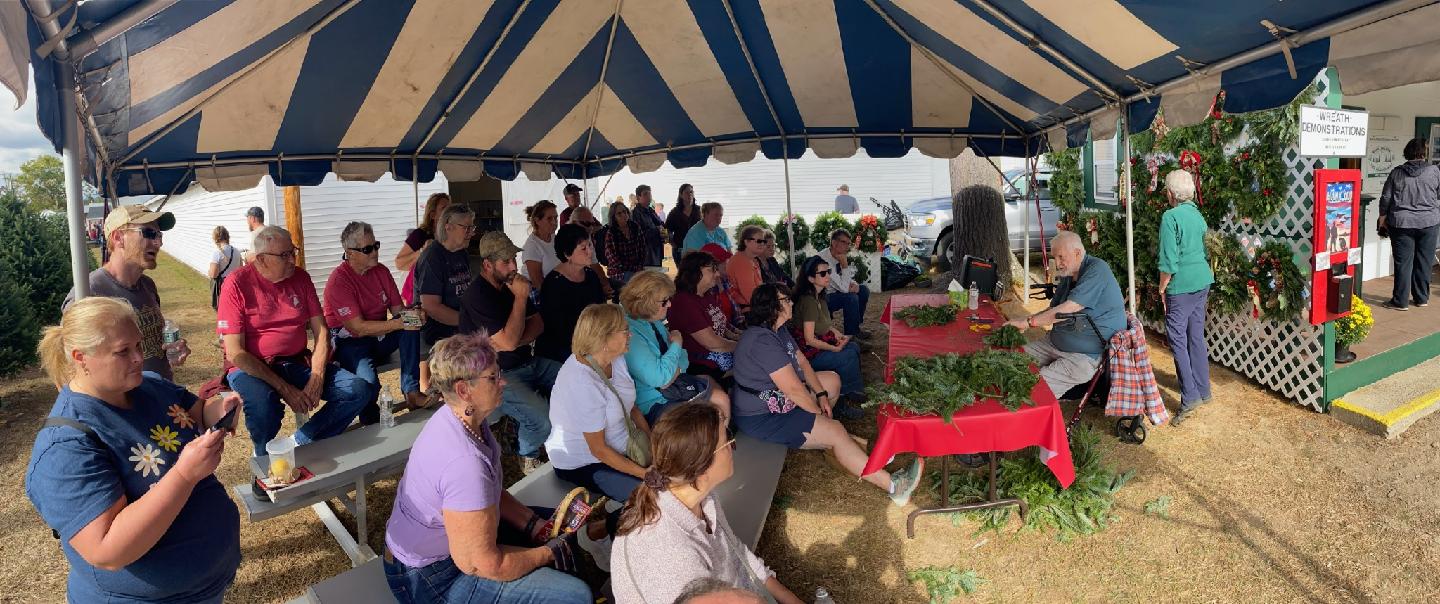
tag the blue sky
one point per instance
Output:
(20, 138)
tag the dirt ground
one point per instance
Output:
(1270, 503)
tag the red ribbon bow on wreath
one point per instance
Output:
(1153, 165)
(1190, 162)
(1254, 297)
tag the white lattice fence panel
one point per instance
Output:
(1285, 357)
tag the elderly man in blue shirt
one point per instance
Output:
(1069, 355)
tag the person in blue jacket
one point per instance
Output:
(655, 357)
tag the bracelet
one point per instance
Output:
(530, 526)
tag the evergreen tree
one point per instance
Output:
(19, 331)
(35, 254)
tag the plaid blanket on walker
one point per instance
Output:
(1133, 390)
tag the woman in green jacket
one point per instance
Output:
(1185, 279)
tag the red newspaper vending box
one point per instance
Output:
(1336, 243)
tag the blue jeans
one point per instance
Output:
(1413, 252)
(853, 305)
(360, 356)
(598, 477)
(442, 581)
(1185, 326)
(345, 394)
(526, 400)
(846, 363)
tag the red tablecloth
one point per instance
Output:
(980, 428)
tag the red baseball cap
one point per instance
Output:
(714, 249)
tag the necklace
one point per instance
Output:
(464, 424)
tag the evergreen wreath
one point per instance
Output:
(754, 219)
(1279, 282)
(870, 236)
(824, 225)
(795, 224)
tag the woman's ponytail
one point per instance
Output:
(53, 357)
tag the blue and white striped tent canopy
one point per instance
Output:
(225, 91)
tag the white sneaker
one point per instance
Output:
(599, 550)
(905, 482)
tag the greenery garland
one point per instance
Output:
(824, 225)
(795, 223)
(1067, 182)
(922, 315)
(946, 383)
(1228, 296)
(754, 219)
(870, 236)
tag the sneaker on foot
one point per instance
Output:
(1393, 306)
(1422, 304)
(905, 481)
(599, 550)
(1181, 416)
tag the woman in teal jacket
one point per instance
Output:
(655, 356)
(1185, 278)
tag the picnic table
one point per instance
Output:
(343, 464)
(985, 427)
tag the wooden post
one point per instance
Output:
(295, 224)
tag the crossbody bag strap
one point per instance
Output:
(589, 360)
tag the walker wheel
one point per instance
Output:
(1130, 430)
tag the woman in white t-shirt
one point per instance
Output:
(589, 405)
(223, 262)
(539, 251)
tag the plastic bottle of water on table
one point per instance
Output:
(387, 404)
(974, 296)
(823, 597)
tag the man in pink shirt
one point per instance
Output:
(364, 312)
(265, 307)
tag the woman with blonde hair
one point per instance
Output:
(123, 468)
(657, 357)
(538, 254)
(592, 408)
(672, 531)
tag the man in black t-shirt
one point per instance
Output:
(643, 215)
(498, 301)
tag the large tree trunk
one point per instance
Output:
(980, 230)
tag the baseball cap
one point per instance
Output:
(572, 188)
(714, 249)
(496, 245)
(844, 187)
(136, 214)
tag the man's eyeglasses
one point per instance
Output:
(841, 242)
(148, 232)
(286, 256)
(369, 249)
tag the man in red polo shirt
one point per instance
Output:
(265, 307)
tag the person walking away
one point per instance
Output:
(844, 203)
(709, 230)
(134, 236)
(124, 468)
(223, 262)
(442, 275)
(643, 215)
(1185, 278)
(1410, 212)
(681, 217)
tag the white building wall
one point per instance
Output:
(1392, 115)
(198, 212)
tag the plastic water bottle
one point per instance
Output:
(974, 296)
(823, 597)
(387, 402)
(171, 342)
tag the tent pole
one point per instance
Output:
(74, 149)
(789, 233)
(1025, 225)
(1128, 197)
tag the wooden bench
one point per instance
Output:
(745, 497)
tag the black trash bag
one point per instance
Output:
(895, 275)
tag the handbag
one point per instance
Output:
(219, 280)
(684, 387)
(637, 447)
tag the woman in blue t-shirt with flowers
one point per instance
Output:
(123, 469)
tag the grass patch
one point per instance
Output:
(944, 584)
(1160, 506)
(1082, 509)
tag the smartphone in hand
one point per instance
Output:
(227, 421)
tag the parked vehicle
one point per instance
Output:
(929, 230)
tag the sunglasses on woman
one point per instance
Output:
(824, 273)
(369, 249)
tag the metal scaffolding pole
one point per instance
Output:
(789, 233)
(1128, 196)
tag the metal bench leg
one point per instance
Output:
(355, 546)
